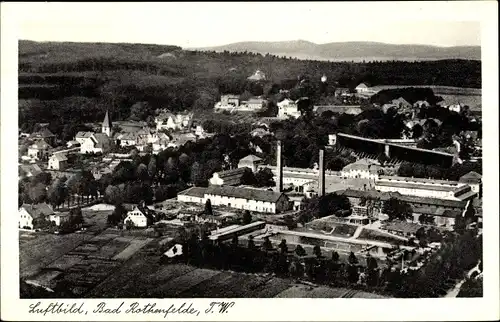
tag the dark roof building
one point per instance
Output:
(244, 193)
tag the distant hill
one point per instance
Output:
(352, 51)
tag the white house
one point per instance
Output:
(231, 177)
(81, 136)
(58, 218)
(473, 179)
(140, 216)
(58, 161)
(256, 104)
(127, 139)
(39, 149)
(288, 108)
(29, 214)
(362, 88)
(363, 169)
(97, 143)
(169, 121)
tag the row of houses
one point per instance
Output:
(232, 103)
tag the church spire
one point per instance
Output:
(106, 124)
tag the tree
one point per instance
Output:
(57, 193)
(247, 217)
(129, 224)
(197, 174)
(208, 208)
(118, 214)
(290, 222)
(139, 111)
(75, 217)
(266, 245)
(300, 251)
(352, 259)
(37, 193)
(335, 257)
(317, 251)
(397, 209)
(264, 178)
(283, 246)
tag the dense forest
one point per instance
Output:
(64, 83)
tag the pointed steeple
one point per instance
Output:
(106, 124)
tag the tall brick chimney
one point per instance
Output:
(321, 179)
(279, 168)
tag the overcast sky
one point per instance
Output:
(211, 24)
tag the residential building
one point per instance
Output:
(173, 122)
(81, 136)
(126, 139)
(402, 228)
(233, 177)
(58, 161)
(140, 216)
(30, 215)
(363, 168)
(230, 100)
(258, 76)
(29, 170)
(260, 132)
(288, 108)
(72, 144)
(44, 134)
(474, 180)
(362, 88)
(250, 161)
(97, 143)
(256, 103)
(39, 150)
(58, 218)
(401, 103)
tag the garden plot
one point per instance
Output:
(65, 262)
(135, 245)
(182, 283)
(271, 288)
(205, 288)
(113, 248)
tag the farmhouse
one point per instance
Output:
(140, 217)
(31, 215)
(58, 161)
(44, 134)
(81, 136)
(362, 88)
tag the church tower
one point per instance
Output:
(106, 125)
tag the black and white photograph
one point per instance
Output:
(250, 150)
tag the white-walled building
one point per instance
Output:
(474, 180)
(288, 108)
(363, 169)
(39, 150)
(173, 122)
(97, 143)
(238, 197)
(428, 188)
(29, 214)
(362, 88)
(58, 161)
(81, 136)
(250, 161)
(140, 217)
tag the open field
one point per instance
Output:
(112, 265)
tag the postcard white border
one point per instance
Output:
(486, 308)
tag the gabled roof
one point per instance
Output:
(363, 165)
(83, 135)
(148, 213)
(232, 177)
(38, 211)
(198, 192)
(59, 157)
(244, 193)
(403, 226)
(362, 85)
(471, 177)
(40, 144)
(101, 140)
(400, 100)
(43, 133)
(250, 158)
